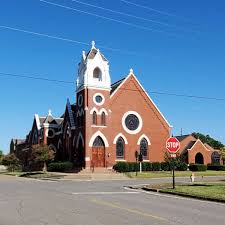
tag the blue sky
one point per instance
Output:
(184, 56)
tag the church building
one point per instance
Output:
(108, 123)
(115, 120)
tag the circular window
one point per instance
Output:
(132, 122)
(80, 100)
(50, 133)
(98, 99)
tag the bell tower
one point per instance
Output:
(93, 96)
(93, 70)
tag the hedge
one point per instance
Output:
(197, 167)
(60, 166)
(165, 166)
(216, 167)
(156, 166)
(182, 166)
(147, 166)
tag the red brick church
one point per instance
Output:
(107, 124)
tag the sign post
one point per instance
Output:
(140, 159)
(173, 145)
(136, 157)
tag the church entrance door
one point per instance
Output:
(98, 153)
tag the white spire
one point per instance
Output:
(50, 112)
(131, 71)
(93, 44)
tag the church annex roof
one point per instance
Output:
(182, 137)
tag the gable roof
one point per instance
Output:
(182, 137)
(70, 113)
(115, 85)
(92, 53)
(198, 141)
(146, 94)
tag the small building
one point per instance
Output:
(195, 151)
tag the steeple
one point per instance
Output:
(93, 70)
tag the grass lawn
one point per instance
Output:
(37, 175)
(158, 174)
(214, 190)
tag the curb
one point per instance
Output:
(183, 195)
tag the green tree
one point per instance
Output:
(42, 154)
(1, 156)
(176, 163)
(11, 161)
(208, 140)
(222, 150)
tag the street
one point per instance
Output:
(37, 202)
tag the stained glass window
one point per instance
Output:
(94, 118)
(103, 119)
(132, 122)
(98, 142)
(144, 148)
(120, 148)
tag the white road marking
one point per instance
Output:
(105, 193)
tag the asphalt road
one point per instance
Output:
(34, 202)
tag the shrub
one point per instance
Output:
(12, 162)
(60, 166)
(216, 167)
(197, 167)
(132, 167)
(182, 166)
(121, 167)
(165, 166)
(156, 166)
(147, 166)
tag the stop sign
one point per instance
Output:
(172, 145)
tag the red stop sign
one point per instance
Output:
(172, 145)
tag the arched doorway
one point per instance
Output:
(199, 158)
(98, 152)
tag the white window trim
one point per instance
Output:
(103, 99)
(96, 134)
(80, 136)
(122, 136)
(141, 137)
(98, 126)
(140, 122)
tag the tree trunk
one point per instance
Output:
(45, 167)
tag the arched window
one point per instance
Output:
(103, 119)
(144, 148)
(97, 74)
(98, 142)
(94, 119)
(120, 144)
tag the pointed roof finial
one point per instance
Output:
(93, 44)
(50, 112)
(131, 71)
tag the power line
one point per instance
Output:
(111, 19)
(34, 77)
(67, 40)
(132, 16)
(152, 9)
